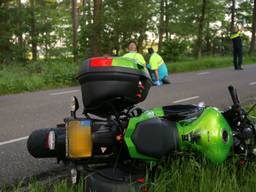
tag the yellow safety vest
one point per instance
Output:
(235, 35)
(155, 61)
(136, 56)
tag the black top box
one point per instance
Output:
(110, 85)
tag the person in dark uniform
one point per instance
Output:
(237, 48)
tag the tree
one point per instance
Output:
(5, 33)
(74, 29)
(19, 30)
(161, 25)
(200, 29)
(97, 27)
(233, 11)
(253, 30)
(166, 12)
(48, 29)
(33, 32)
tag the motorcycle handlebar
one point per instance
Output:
(233, 95)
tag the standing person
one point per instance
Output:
(237, 48)
(133, 54)
(157, 68)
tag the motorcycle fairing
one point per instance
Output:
(150, 136)
(132, 126)
(209, 134)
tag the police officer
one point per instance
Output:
(237, 48)
(157, 68)
(133, 54)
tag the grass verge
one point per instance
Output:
(205, 63)
(40, 75)
(16, 78)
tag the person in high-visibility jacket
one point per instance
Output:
(237, 48)
(133, 54)
(157, 68)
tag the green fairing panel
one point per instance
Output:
(128, 63)
(208, 131)
(204, 134)
(156, 112)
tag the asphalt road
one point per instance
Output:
(20, 114)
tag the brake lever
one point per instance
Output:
(233, 95)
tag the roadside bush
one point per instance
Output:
(17, 77)
(59, 73)
(173, 50)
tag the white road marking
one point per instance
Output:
(186, 99)
(203, 73)
(64, 92)
(13, 140)
(252, 83)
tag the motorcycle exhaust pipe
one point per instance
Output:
(47, 143)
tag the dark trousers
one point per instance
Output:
(237, 58)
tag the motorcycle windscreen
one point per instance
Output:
(79, 139)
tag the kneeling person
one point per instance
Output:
(157, 68)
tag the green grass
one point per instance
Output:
(181, 175)
(32, 76)
(205, 63)
(34, 186)
(187, 174)
(15, 78)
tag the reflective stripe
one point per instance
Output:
(233, 36)
(137, 56)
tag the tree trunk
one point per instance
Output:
(19, 34)
(200, 30)
(46, 45)
(4, 34)
(84, 3)
(96, 44)
(74, 30)
(161, 26)
(33, 30)
(233, 11)
(140, 41)
(166, 20)
(90, 17)
(252, 44)
(207, 38)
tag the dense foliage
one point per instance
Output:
(66, 28)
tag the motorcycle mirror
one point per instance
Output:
(74, 106)
(233, 95)
(201, 104)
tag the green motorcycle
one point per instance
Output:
(117, 139)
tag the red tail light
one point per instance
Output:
(141, 180)
(101, 62)
(49, 140)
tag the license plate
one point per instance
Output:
(79, 139)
